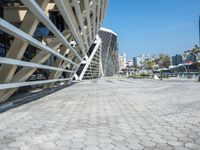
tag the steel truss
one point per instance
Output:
(82, 19)
(91, 65)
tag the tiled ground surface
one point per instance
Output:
(108, 114)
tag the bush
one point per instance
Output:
(145, 75)
(140, 76)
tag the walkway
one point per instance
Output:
(108, 114)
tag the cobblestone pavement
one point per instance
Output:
(108, 114)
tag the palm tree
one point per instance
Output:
(164, 62)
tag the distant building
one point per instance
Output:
(122, 61)
(109, 56)
(191, 58)
(141, 61)
(134, 61)
(176, 60)
(130, 63)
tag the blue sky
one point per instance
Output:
(154, 26)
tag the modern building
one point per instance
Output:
(109, 55)
(134, 61)
(44, 42)
(176, 60)
(102, 60)
(122, 61)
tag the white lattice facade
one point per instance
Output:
(45, 41)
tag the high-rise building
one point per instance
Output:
(134, 61)
(176, 60)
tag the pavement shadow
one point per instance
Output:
(22, 99)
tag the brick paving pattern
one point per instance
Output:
(118, 114)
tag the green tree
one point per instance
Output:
(163, 60)
(150, 64)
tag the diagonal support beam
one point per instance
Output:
(87, 9)
(39, 13)
(80, 20)
(64, 6)
(25, 73)
(88, 61)
(7, 71)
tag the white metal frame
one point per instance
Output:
(8, 28)
(74, 58)
(90, 58)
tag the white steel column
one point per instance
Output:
(80, 20)
(87, 9)
(94, 5)
(98, 13)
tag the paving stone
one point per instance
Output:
(62, 148)
(91, 148)
(150, 148)
(47, 146)
(3, 146)
(108, 114)
(29, 147)
(148, 143)
(77, 140)
(63, 142)
(117, 138)
(164, 146)
(17, 144)
(135, 146)
(77, 145)
(170, 138)
(181, 148)
(11, 148)
(175, 143)
(159, 140)
(106, 146)
(91, 142)
(192, 146)
(121, 148)
(185, 140)
(104, 140)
